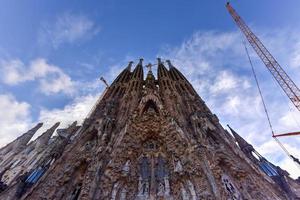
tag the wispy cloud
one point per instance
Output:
(67, 28)
(217, 66)
(51, 78)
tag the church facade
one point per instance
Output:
(146, 138)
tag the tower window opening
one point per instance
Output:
(176, 76)
(181, 76)
(122, 92)
(164, 72)
(169, 84)
(136, 85)
(139, 73)
(118, 78)
(115, 92)
(178, 89)
(189, 88)
(172, 75)
(164, 83)
(182, 87)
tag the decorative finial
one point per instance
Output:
(129, 65)
(74, 123)
(55, 125)
(149, 67)
(141, 61)
(169, 63)
(159, 60)
(38, 126)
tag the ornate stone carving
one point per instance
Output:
(152, 139)
(230, 188)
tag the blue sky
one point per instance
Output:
(52, 54)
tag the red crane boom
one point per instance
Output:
(287, 134)
(285, 82)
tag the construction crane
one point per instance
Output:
(283, 79)
(285, 82)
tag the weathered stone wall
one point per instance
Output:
(153, 139)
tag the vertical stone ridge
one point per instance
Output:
(243, 144)
(43, 139)
(20, 143)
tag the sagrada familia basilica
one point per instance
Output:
(146, 138)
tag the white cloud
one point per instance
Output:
(280, 156)
(77, 110)
(217, 66)
(295, 59)
(51, 78)
(12, 71)
(15, 118)
(224, 82)
(62, 83)
(68, 28)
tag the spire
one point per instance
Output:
(72, 130)
(68, 132)
(141, 61)
(170, 64)
(182, 85)
(22, 141)
(159, 61)
(138, 71)
(129, 65)
(44, 138)
(243, 144)
(162, 70)
(175, 73)
(124, 75)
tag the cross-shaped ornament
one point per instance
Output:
(149, 67)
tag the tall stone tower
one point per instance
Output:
(154, 138)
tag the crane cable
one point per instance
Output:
(259, 90)
(294, 159)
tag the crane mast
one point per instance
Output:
(285, 82)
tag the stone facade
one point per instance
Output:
(152, 139)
